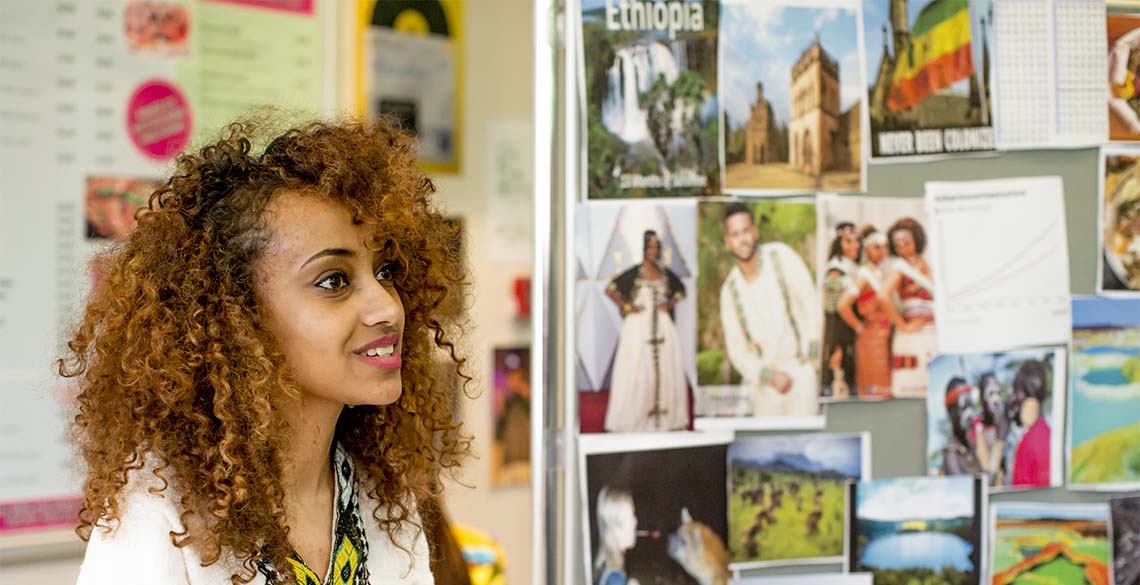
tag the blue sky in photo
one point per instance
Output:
(1060, 511)
(761, 41)
(841, 453)
(916, 498)
(1095, 312)
(877, 12)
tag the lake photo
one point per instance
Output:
(1104, 435)
(917, 529)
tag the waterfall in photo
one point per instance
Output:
(633, 72)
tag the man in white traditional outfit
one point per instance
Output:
(770, 310)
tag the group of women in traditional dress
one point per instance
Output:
(879, 314)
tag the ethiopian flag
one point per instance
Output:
(938, 55)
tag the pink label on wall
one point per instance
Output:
(297, 6)
(158, 119)
(40, 513)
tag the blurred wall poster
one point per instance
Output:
(510, 453)
(98, 97)
(411, 69)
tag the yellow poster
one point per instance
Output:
(411, 68)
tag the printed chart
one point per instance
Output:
(1002, 263)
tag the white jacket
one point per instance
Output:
(139, 551)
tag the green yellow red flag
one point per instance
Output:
(938, 55)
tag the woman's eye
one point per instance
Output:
(386, 272)
(335, 281)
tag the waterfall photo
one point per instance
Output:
(650, 68)
(792, 89)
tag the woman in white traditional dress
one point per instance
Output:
(648, 391)
(910, 286)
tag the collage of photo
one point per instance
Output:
(733, 276)
(740, 503)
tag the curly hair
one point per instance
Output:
(177, 374)
(916, 231)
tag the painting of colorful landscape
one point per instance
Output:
(1051, 544)
(786, 493)
(917, 529)
(1104, 428)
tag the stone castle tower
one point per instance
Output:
(758, 144)
(814, 127)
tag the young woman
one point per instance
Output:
(838, 337)
(617, 533)
(873, 331)
(648, 391)
(911, 286)
(256, 397)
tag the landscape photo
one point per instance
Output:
(786, 496)
(650, 91)
(1104, 427)
(1063, 544)
(917, 529)
(792, 90)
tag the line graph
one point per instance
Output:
(1000, 263)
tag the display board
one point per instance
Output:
(971, 262)
(97, 99)
(897, 428)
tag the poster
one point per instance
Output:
(922, 529)
(1002, 263)
(758, 322)
(636, 315)
(787, 497)
(411, 69)
(510, 188)
(1104, 418)
(1118, 233)
(650, 98)
(792, 92)
(1123, 67)
(1000, 414)
(1124, 531)
(1058, 543)
(654, 508)
(928, 76)
(98, 98)
(876, 290)
(510, 449)
(1050, 60)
